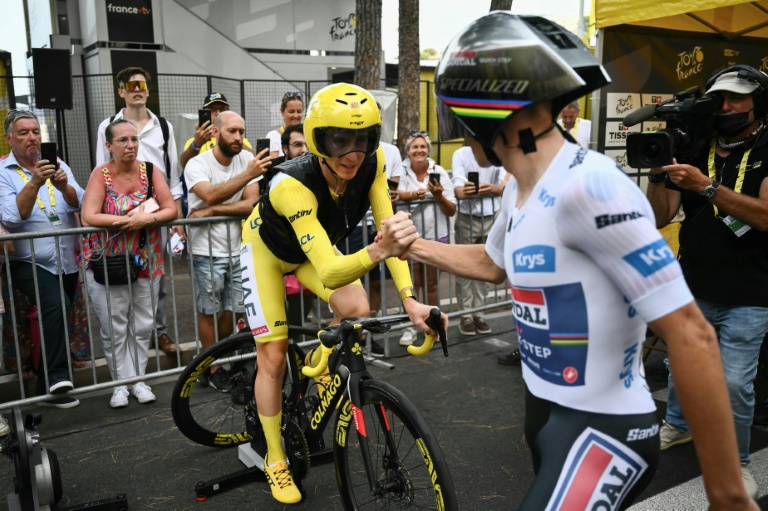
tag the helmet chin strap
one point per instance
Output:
(334, 174)
(527, 139)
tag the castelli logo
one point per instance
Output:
(689, 63)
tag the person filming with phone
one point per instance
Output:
(213, 104)
(222, 182)
(423, 179)
(38, 194)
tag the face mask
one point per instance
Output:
(732, 124)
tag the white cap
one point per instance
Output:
(732, 83)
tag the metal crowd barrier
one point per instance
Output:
(182, 314)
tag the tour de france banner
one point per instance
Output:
(649, 66)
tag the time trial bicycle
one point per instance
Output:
(385, 455)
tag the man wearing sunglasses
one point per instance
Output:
(157, 145)
(311, 204)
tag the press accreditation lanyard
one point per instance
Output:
(738, 227)
(575, 128)
(52, 216)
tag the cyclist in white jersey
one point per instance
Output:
(588, 270)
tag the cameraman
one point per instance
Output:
(724, 243)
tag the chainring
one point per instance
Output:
(296, 448)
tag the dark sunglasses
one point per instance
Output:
(135, 84)
(417, 133)
(292, 95)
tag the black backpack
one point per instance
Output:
(166, 134)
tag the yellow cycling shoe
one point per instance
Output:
(281, 483)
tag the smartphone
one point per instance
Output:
(203, 115)
(392, 184)
(261, 144)
(434, 178)
(48, 152)
(474, 177)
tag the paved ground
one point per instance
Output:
(473, 405)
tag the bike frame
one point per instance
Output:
(348, 354)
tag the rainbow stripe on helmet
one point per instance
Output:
(483, 108)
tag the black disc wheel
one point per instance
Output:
(213, 417)
(410, 471)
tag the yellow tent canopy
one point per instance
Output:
(730, 18)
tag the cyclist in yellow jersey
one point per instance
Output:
(311, 203)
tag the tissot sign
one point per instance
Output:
(130, 21)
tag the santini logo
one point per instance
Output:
(606, 220)
(126, 10)
(299, 214)
(534, 258)
(651, 258)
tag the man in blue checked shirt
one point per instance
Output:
(38, 195)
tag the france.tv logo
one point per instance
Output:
(124, 9)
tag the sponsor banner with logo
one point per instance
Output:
(648, 66)
(616, 133)
(130, 21)
(324, 25)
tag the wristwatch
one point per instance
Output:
(710, 191)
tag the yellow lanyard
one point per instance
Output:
(742, 169)
(39, 201)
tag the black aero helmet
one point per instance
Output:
(501, 63)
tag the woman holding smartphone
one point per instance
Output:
(292, 109)
(117, 198)
(424, 179)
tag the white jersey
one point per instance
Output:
(588, 269)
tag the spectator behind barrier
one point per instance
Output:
(477, 211)
(222, 182)
(292, 109)
(38, 195)
(117, 198)
(158, 146)
(724, 244)
(580, 129)
(204, 140)
(431, 219)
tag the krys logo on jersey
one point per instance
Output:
(651, 258)
(534, 259)
(553, 331)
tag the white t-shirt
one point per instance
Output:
(274, 137)
(464, 162)
(426, 216)
(581, 131)
(394, 160)
(205, 167)
(588, 270)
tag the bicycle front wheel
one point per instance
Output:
(208, 416)
(410, 469)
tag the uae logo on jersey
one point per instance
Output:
(598, 473)
(553, 331)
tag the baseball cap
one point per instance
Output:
(214, 97)
(732, 83)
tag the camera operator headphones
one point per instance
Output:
(749, 74)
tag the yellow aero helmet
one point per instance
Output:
(342, 118)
